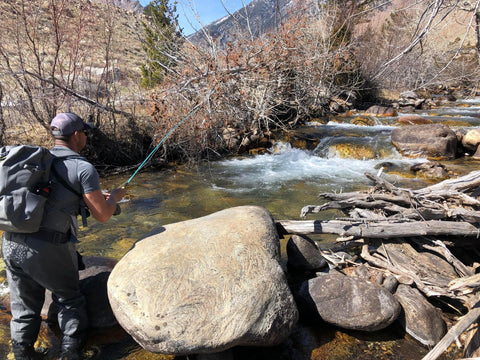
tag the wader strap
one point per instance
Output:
(55, 237)
(65, 184)
(52, 236)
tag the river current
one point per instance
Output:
(283, 180)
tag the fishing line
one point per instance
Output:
(160, 143)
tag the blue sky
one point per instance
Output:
(207, 10)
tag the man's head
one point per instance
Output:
(65, 124)
(70, 129)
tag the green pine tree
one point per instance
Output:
(162, 41)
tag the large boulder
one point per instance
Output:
(205, 285)
(348, 302)
(436, 141)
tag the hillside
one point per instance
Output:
(98, 35)
(132, 5)
(68, 56)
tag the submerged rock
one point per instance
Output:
(431, 170)
(205, 285)
(413, 120)
(352, 151)
(364, 121)
(348, 302)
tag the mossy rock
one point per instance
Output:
(363, 121)
(353, 151)
(454, 123)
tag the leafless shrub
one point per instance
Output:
(413, 48)
(63, 56)
(250, 88)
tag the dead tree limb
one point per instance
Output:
(439, 247)
(382, 229)
(82, 97)
(454, 332)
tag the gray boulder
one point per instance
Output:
(205, 285)
(379, 110)
(430, 170)
(419, 318)
(436, 141)
(348, 302)
(304, 255)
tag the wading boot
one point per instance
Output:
(70, 354)
(72, 349)
(24, 351)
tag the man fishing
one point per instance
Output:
(47, 259)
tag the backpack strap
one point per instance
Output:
(65, 184)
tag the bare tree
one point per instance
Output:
(49, 62)
(250, 88)
(412, 49)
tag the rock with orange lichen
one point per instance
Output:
(413, 120)
(352, 151)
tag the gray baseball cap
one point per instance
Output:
(65, 124)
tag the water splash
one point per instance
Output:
(286, 166)
(3, 289)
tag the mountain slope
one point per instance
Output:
(258, 17)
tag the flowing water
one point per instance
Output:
(283, 180)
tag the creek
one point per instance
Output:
(282, 180)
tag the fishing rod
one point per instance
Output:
(195, 108)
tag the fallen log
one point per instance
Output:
(382, 229)
(469, 182)
(432, 203)
(465, 284)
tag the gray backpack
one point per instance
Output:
(24, 186)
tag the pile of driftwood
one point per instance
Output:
(443, 219)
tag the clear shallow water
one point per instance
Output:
(283, 181)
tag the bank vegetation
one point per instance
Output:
(60, 55)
